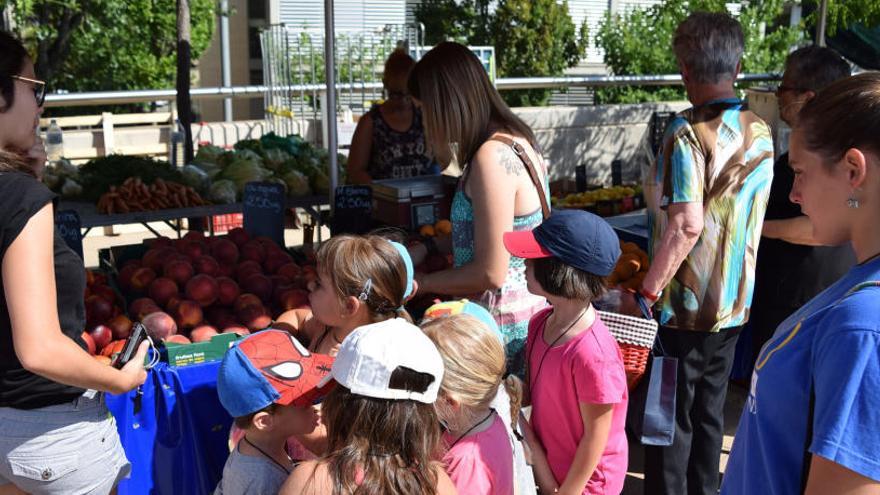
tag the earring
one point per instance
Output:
(852, 202)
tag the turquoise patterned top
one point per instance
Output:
(719, 154)
(512, 305)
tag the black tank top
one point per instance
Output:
(399, 155)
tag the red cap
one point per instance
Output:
(523, 244)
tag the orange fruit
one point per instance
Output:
(443, 227)
(427, 231)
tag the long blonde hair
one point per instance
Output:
(459, 103)
(474, 364)
(350, 261)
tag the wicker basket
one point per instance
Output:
(635, 336)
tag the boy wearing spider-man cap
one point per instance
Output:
(268, 382)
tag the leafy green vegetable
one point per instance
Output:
(246, 167)
(99, 174)
(297, 184)
(223, 192)
(249, 144)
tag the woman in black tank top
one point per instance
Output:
(389, 142)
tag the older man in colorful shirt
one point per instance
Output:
(707, 195)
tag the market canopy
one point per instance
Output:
(859, 44)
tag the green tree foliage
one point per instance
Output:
(89, 45)
(843, 13)
(639, 41)
(535, 38)
(465, 21)
(532, 38)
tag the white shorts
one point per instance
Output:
(70, 448)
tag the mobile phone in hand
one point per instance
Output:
(138, 335)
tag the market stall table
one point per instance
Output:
(174, 431)
(631, 227)
(89, 216)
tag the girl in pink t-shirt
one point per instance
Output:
(576, 381)
(478, 451)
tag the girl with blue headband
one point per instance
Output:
(361, 280)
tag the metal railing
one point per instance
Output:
(153, 95)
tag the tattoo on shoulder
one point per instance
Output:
(508, 159)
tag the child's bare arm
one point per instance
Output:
(597, 425)
(537, 458)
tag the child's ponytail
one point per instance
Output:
(514, 388)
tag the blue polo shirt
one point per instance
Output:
(836, 345)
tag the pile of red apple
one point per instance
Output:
(190, 289)
(105, 319)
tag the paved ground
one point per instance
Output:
(736, 397)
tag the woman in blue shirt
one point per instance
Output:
(812, 420)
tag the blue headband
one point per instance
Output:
(407, 260)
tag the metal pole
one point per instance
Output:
(823, 19)
(184, 102)
(330, 109)
(224, 57)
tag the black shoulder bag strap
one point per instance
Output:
(530, 167)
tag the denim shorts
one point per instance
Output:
(70, 448)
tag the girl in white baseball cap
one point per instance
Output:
(382, 429)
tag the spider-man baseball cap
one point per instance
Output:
(270, 367)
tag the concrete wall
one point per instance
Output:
(594, 136)
(569, 136)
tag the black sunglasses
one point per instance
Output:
(38, 86)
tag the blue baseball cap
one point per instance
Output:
(270, 367)
(578, 238)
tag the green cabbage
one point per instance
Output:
(195, 177)
(274, 159)
(297, 184)
(245, 167)
(223, 192)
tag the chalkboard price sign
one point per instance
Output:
(353, 210)
(263, 210)
(68, 224)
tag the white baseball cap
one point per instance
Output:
(370, 355)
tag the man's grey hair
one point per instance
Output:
(709, 45)
(814, 67)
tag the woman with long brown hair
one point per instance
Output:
(52, 411)
(811, 423)
(503, 187)
(383, 432)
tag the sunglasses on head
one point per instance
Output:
(38, 86)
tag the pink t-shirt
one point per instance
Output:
(586, 369)
(481, 464)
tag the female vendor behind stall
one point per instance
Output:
(389, 141)
(496, 192)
